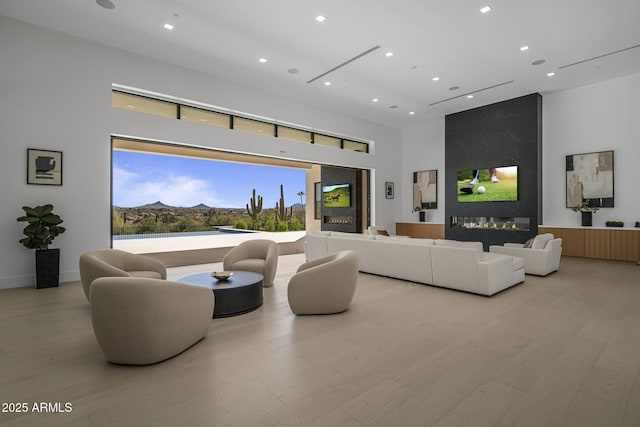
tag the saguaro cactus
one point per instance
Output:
(281, 211)
(255, 209)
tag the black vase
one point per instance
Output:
(587, 219)
(422, 215)
(47, 268)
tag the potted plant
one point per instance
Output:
(43, 226)
(587, 212)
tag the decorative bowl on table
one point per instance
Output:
(222, 275)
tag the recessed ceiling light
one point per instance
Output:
(454, 88)
(436, 78)
(168, 27)
(551, 74)
(539, 62)
(262, 60)
(469, 96)
(327, 83)
(524, 48)
(375, 100)
(292, 71)
(486, 9)
(411, 113)
(107, 4)
(388, 54)
(393, 107)
(320, 18)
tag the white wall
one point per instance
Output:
(599, 117)
(56, 94)
(423, 149)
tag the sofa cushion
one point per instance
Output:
(352, 235)
(528, 243)
(418, 241)
(456, 243)
(541, 240)
(388, 238)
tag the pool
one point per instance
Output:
(185, 234)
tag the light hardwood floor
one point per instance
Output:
(557, 351)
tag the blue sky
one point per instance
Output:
(140, 178)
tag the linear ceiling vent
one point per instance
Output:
(471, 93)
(600, 56)
(348, 61)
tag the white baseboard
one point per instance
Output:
(26, 281)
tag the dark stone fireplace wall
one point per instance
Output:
(507, 133)
(331, 175)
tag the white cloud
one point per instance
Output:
(175, 190)
(121, 177)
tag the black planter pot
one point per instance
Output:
(587, 219)
(47, 268)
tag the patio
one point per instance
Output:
(190, 250)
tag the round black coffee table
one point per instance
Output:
(239, 294)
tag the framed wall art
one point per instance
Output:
(425, 189)
(44, 167)
(590, 176)
(388, 190)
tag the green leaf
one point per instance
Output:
(30, 211)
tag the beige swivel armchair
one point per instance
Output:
(259, 256)
(325, 285)
(138, 321)
(117, 263)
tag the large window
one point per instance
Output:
(294, 134)
(127, 101)
(205, 117)
(174, 110)
(253, 126)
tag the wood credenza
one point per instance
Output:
(422, 230)
(619, 244)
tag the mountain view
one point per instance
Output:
(166, 194)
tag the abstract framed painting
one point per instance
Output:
(590, 177)
(425, 189)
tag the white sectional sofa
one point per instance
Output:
(445, 263)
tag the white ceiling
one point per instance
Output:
(446, 38)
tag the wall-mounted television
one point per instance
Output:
(499, 184)
(336, 196)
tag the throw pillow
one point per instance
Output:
(528, 243)
(383, 232)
